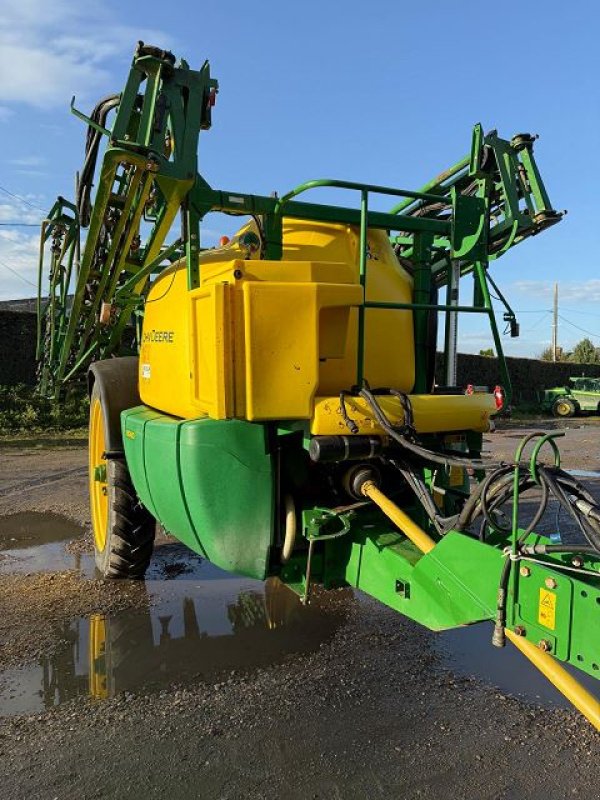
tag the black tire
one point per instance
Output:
(124, 531)
(563, 407)
(131, 528)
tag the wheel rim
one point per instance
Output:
(563, 409)
(98, 669)
(97, 476)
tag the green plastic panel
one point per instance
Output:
(161, 465)
(208, 482)
(227, 475)
(133, 423)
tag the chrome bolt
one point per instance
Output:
(550, 583)
(520, 630)
(545, 645)
(577, 561)
(524, 572)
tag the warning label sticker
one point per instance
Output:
(547, 609)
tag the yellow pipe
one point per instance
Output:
(410, 529)
(583, 701)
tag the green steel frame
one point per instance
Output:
(468, 216)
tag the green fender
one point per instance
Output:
(210, 483)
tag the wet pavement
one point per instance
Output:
(468, 652)
(198, 623)
(584, 473)
(227, 687)
(196, 633)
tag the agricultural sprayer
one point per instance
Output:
(273, 402)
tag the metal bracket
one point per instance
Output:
(317, 524)
(88, 120)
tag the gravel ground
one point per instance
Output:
(372, 713)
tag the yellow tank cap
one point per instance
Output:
(433, 413)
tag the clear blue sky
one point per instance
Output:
(385, 92)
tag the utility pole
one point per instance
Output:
(555, 324)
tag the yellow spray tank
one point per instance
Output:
(268, 340)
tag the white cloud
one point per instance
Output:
(18, 264)
(48, 56)
(578, 291)
(18, 212)
(18, 248)
(28, 161)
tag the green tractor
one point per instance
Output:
(580, 394)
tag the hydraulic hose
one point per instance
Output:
(495, 490)
(84, 187)
(406, 437)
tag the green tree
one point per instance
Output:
(546, 355)
(585, 352)
(489, 353)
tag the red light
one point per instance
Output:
(223, 241)
(470, 389)
(499, 397)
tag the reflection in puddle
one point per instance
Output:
(35, 542)
(198, 622)
(197, 627)
(469, 652)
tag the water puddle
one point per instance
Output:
(33, 542)
(199, 625)
(583, 473)
(468, 652)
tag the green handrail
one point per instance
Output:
(359, 187)
(411, 196)
(364, 189)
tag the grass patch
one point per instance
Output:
(528, 411)
(24, 411)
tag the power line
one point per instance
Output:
(537, 322)
(21, 224)
(583, 330)
(22, 199)
(18, 274)
(532, 310)
(577, 311)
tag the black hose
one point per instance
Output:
(498, 638)
(417, 449)
(352, 426)
(542, 549)
(92, 145)
(591, 533)
(422, 494)
(495, 490)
